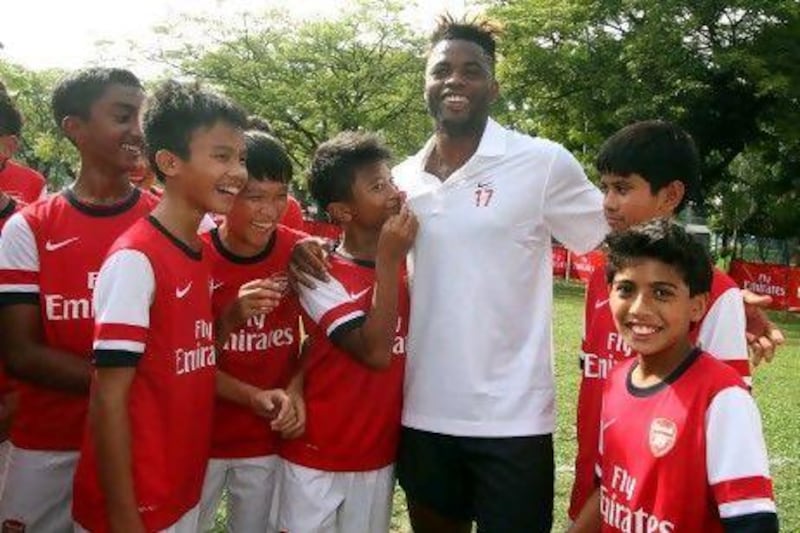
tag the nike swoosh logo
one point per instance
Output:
(601, 303)
(215, 286)
(180, 293)
(53, 246)
(484, 183)
(358, 295)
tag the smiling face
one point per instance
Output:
(215, 171)
(374, 197)
(255, 213)
(652, 308)
(111, 137)
(459, 86)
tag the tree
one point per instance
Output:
(577, 70)
(313, 79)
(42, 145)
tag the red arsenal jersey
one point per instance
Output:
(683, 455)
(10, 208)
(21, 183)
(721, 333)
(50, 255)
(260, 353)
(353, 412)
(153, 306)
(293, 215)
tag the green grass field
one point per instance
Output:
(776, 391)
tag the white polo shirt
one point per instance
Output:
(479, 352)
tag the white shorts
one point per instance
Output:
(316, 501)
(38, 489)
(251, 485)
(188, 523)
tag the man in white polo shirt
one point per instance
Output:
(479, 400)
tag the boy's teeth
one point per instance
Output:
(455, 98)
(131, 148)
(641, 329)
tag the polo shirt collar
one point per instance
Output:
(493, 144)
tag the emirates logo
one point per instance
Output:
(663, 434)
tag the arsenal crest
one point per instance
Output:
(663, 433)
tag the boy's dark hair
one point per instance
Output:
(176, 111)
(77, 91)
(10, 117)
(664, 241)
(333, 168)
(254, 122)
(482, 32)
(267, 159)
(659, 151)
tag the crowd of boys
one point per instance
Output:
(157, 362)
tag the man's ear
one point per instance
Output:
(340, 212)
(168, 163)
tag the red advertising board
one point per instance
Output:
(793, 292)
(763, 278)
(582, 266)
(559, 261)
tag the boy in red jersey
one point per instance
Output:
(249, 256)
(648, 169)
(144, 455)
(20, 182)
(338, 475)
(8, 399)
(50, 254)
(681, 446)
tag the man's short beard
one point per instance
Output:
(469, 128)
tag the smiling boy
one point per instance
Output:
(681, 446)
(144, 454)
(49, 258)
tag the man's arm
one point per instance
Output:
(110, 426)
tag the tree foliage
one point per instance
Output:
(42, 145)
(727, 71)
(312, 79)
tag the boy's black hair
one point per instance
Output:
(267, 159)
(78, 90)
(664, 241)
(10, 117)
(482, 32)
(333, 168)
(659, 151)
(176, 111)
(254, 122)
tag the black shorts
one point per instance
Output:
(504, 484)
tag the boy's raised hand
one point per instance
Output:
(397, 235)
(260, 296)
(309, 261)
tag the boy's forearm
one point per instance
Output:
(589, 520)
(110, 422)
(234, 390)
(379, 329)
(26, 357)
